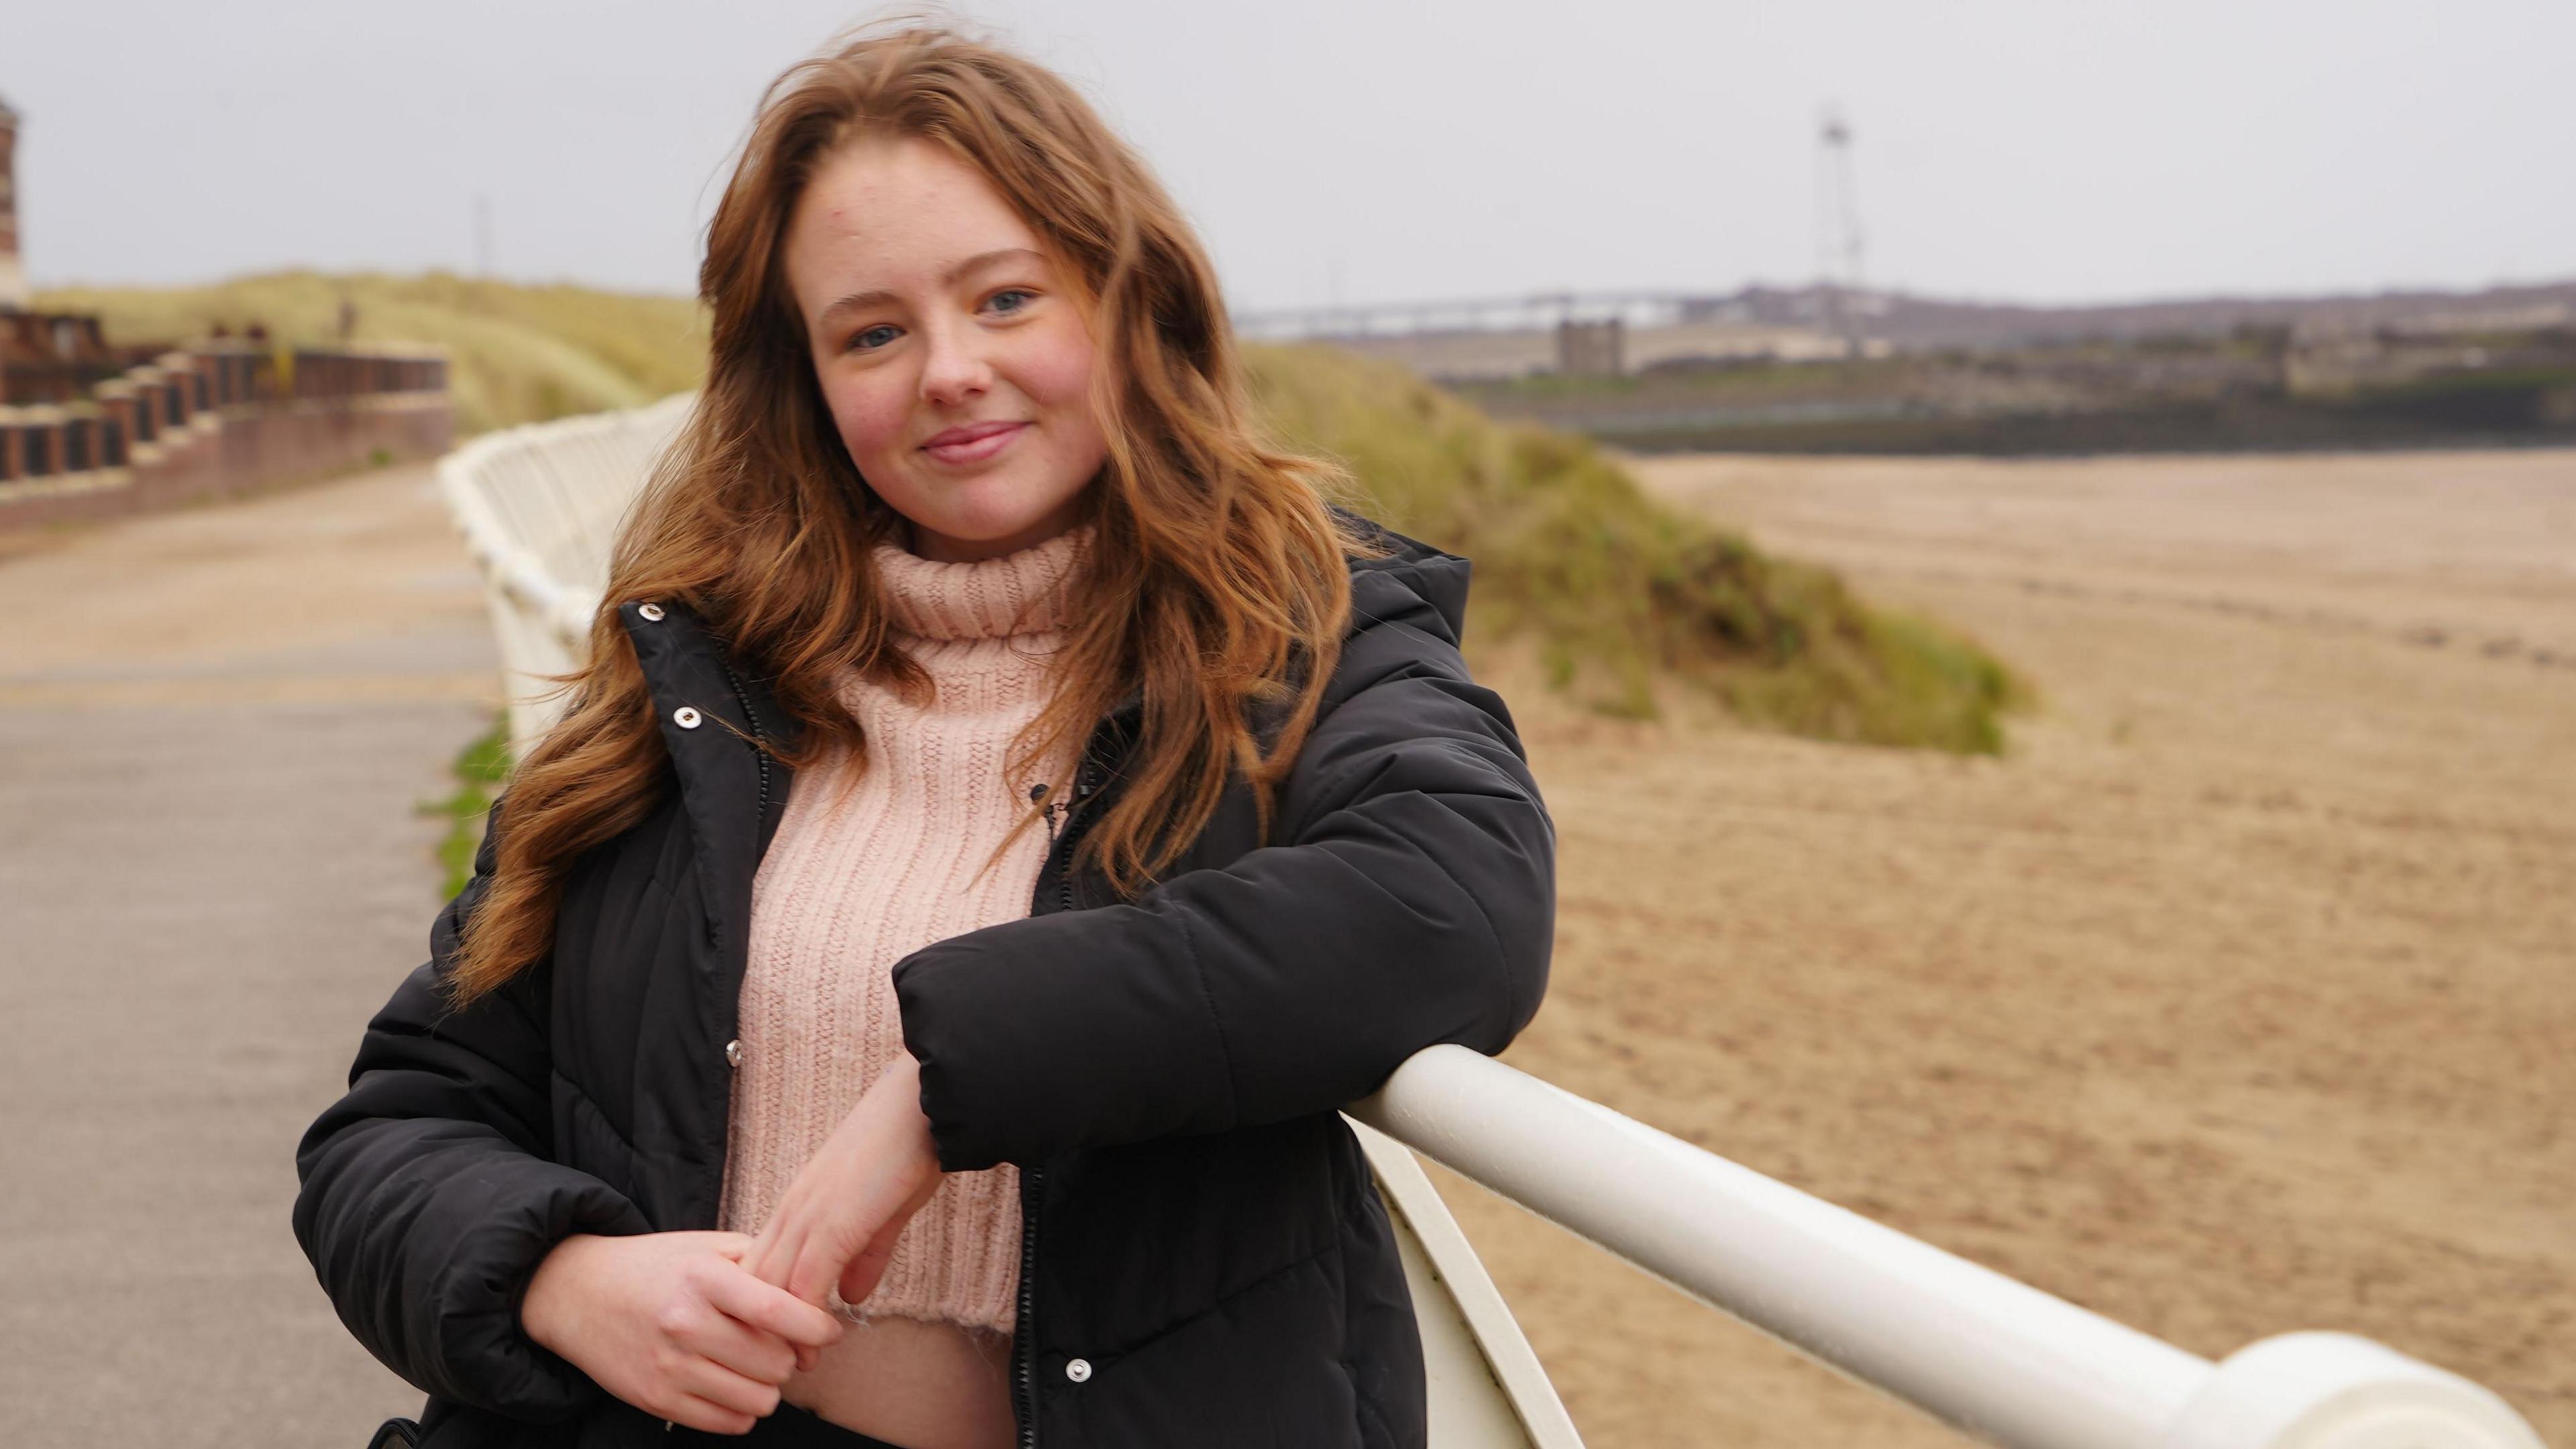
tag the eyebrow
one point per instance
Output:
(857, 300)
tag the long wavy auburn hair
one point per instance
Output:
(1217, 584)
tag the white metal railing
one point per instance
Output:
(1995, 1358)
(540, 507)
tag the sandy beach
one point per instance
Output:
(2235, 999)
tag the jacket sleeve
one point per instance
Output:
(1410, 902)
(429, 1196)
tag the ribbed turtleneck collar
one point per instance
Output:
(1028, 592)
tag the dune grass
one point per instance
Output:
(518, 354)
(1619, 592)
(1621, 596)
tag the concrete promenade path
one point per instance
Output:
(215, 726)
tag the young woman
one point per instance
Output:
(1005, 812)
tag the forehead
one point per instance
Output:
(893, 214)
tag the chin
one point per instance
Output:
(985, 527)
(989, 525)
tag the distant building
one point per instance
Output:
(1589, 348)
(45, 357)
(13, 275)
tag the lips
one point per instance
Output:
(972, 442)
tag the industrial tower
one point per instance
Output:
(1838, 239)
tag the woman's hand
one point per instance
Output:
(673, 1324)
(839, 1220)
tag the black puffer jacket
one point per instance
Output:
(1199, 1225)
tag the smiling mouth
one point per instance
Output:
(974, 443)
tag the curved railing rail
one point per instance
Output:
(1995, 1358)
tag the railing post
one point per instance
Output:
(2335, 1391)
(126, 404)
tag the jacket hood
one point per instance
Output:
(1414, 584)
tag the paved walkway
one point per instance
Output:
(214, 726)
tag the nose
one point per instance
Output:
(955, 369)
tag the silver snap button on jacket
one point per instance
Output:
(733, 1053)
(1077, 1369)
(650, 611)
(686, 717)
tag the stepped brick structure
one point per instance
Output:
(89, 429)
(215, 420)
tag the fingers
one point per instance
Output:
(818, 1266)
(763, 1358)
(730, 1401)
(752, 1350)
(774, 1251)
(723, 1319)
(691, 1412)
(851, 1245)
(799, 1250)
(860, 1278)
(772, 1310)
(703, 1394)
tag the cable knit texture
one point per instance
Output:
(859, 878)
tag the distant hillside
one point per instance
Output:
(1910, 321)
(519, 354)
(1618, 593)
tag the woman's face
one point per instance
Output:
(955, 359)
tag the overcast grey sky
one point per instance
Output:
(1364, 150)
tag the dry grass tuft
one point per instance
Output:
(1622, 594)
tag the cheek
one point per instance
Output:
(870, 417)
(1057, 371)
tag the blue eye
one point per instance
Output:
(1021, 292)
(860, 343)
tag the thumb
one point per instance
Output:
(867, 1269)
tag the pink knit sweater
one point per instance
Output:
(857, 880)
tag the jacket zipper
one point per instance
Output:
(1052, 812)
(1024, 1342)
(742, 696)
(1086, 783)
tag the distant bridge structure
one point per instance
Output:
(1601, 332)
(1530, 312)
